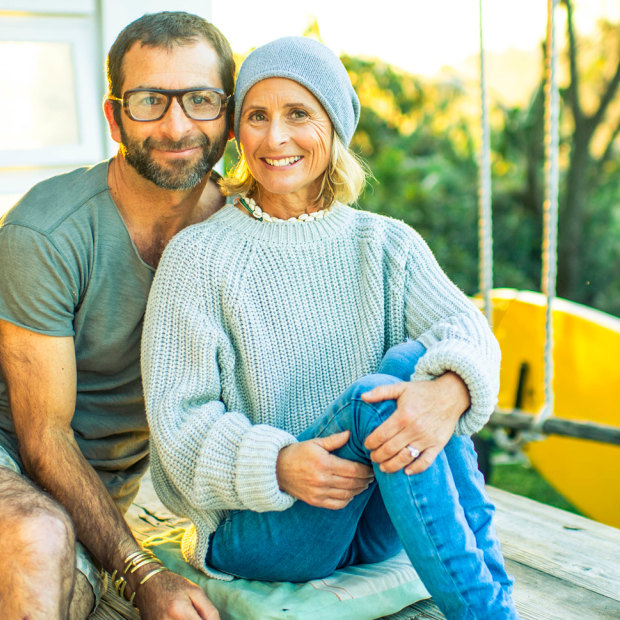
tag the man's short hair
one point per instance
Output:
(166, 30)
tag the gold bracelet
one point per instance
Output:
(132, 563)
(138, 555)
(144, 562)
(155, 571)
(132, 556)
(159, 569)
(139, 558)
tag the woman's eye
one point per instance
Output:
(299, 114)
(257, 116)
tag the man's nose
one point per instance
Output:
(175, 122)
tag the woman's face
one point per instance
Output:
(286, 137)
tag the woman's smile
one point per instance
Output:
(286, 138)
(283, 161)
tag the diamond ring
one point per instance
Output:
(415, 453)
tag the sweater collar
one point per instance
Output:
(336, 223)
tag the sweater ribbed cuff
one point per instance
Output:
(458, 357)
(255, 476)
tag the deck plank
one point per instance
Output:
(558, 543)
(566, 567)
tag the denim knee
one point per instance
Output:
(367, 383)
(401, 359)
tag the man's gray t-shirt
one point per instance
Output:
(68, 267)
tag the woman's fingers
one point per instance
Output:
(401, 458)
(333, 442)
(348, 470)
(425, 417)
(308, 471)
(391, 391)
(423, 462)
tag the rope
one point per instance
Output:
(485, 222)
(550, 206)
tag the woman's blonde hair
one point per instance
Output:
(343, 181)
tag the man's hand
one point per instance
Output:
(425, 418)
(168, 596)
(307, 471)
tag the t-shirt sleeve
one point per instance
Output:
(38, 290)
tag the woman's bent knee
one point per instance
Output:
(369, 382)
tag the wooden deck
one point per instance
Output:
(566, 567)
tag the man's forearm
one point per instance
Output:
(57, 465)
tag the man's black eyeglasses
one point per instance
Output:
(151, 104)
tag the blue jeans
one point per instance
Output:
(442, 516)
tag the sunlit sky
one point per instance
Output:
(420, 36)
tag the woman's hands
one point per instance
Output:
(307, 471)
(425, 418)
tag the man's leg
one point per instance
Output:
(83, 598)
(38, 553)
(37, 557)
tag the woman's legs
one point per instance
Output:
(298, 544)
(440, 537)
(427, 512)
(400, 362)
(478, 508)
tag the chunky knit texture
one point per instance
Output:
(253, 328)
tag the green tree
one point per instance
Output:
(418, 140)
(594, 78)
(589, 218)
(415, 138)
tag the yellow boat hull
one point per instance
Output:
(586, 386)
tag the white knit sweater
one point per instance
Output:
(253, 328)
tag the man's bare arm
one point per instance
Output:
(40, 373)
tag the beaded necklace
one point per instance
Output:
(250, 205)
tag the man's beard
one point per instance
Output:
(177, 175)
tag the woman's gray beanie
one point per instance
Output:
(314, 66)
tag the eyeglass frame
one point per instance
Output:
(172, 94)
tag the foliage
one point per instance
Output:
(422, 159)
(420, 141)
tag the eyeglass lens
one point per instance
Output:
(201, 105)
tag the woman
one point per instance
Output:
(263, 325)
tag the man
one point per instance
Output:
(78, 254)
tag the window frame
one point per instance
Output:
(79, 32)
